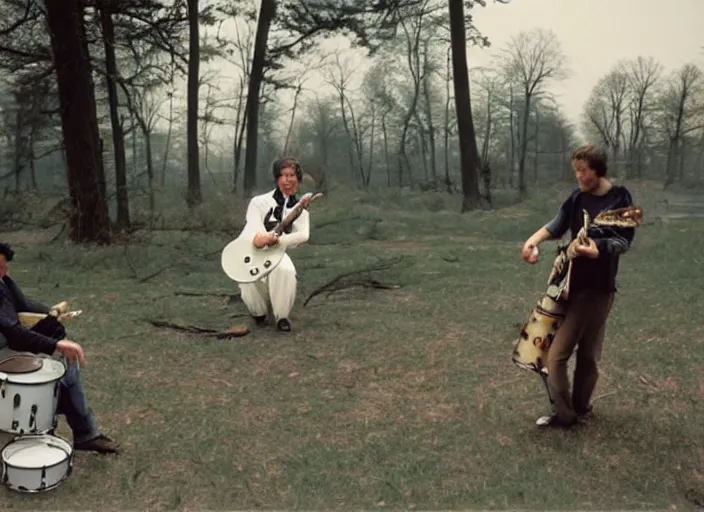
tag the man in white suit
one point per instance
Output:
(263, 213)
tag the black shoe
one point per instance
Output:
(283, 325)
(260, 320)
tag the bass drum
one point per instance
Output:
(530, 350)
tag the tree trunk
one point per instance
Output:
(536, 145)
(118, 136)
(193, 194)
(671, 166)
(512, 140)
(465, 125)
(523, 148)
(167, 144)
(446, 135)
(17, 153)
(431, 125)
(386, 150)
(267, 12)
(299, 89)
(89, 213)
(30, 155)
(368, 177)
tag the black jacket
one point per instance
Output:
(12, 333)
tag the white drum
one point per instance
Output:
(36, 463)
(29, 394)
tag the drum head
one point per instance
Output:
(36, 452)
(49, 371)
(20, 364)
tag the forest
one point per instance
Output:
(105, 101)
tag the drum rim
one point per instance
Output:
(16, 378)
(25, 438)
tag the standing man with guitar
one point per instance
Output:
(592, 282)
(264, 212)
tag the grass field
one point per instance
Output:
(380, 398)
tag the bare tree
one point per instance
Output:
(531, 60)
(605, 111)
(338, 76)
(682, 112)
(643, 75)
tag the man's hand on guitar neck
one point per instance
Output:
(264, 239)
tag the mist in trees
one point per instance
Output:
(112, 102)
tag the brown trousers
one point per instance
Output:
(583, 327)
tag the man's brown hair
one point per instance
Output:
(596, 158)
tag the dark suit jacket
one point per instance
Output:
(12, 333)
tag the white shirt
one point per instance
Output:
(261, 210)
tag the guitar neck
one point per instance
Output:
(290, 218)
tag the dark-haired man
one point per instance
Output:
(264, 212)
(592, 283)
(46, 338)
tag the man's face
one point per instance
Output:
(288, 181)
(587, 179)
(3, 266)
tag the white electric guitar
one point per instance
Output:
(244, 263)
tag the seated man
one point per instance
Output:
(263, 214)
(46, 337)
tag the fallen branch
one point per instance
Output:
(233, 332)
(167, 267)
(338, 283)
(230, 296)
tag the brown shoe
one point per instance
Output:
(100, 444)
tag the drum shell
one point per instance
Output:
(42, 477)
(533, 344)
(29, 407)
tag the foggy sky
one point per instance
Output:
(594, 35)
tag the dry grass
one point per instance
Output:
(399, 398)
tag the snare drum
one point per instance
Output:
(29, 394)
(530, 351)
(36, 463)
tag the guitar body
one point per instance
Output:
(244, 263)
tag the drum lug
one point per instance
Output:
(42, 486)
(16, 400)
(33, 416)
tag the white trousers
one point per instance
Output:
(277, 288)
